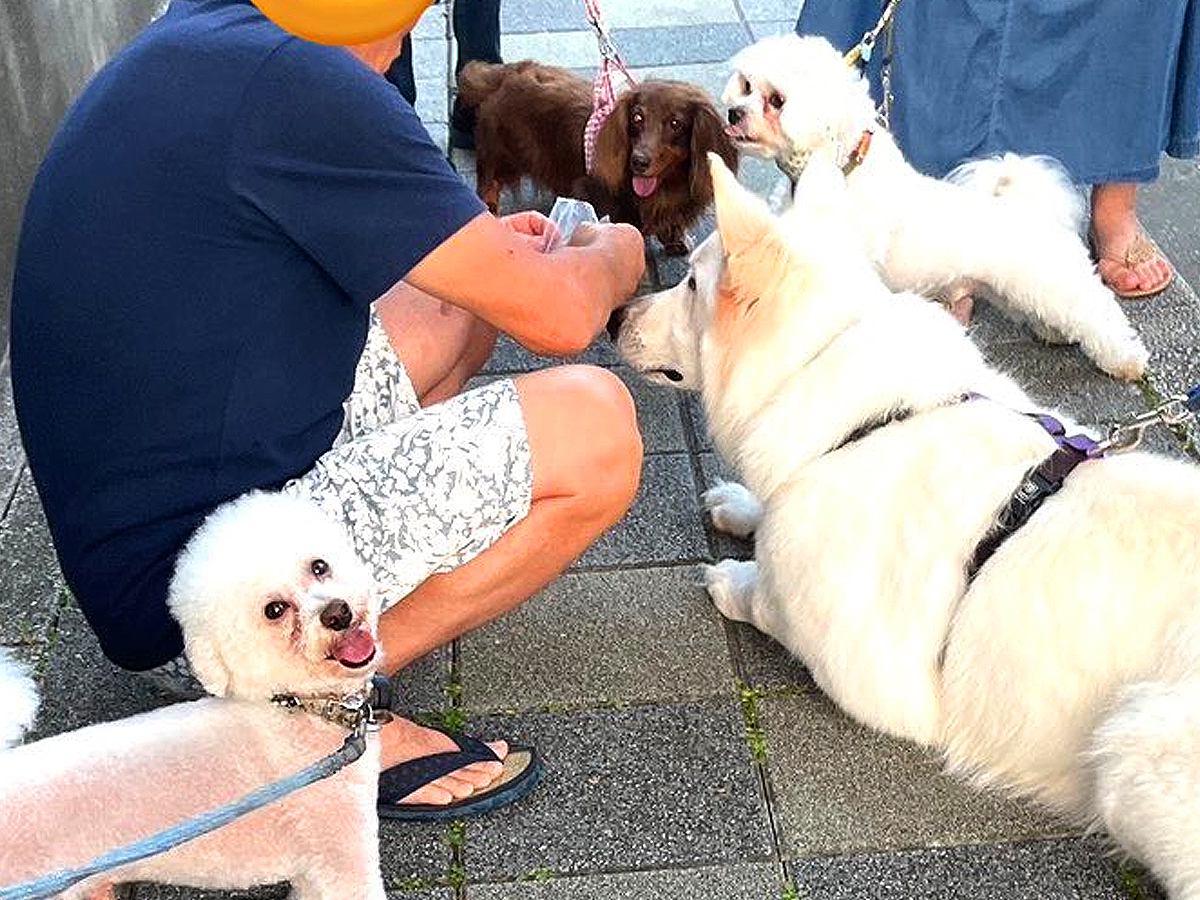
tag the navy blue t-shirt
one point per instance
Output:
(192, 290)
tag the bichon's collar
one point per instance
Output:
(793, 163)
(350, 711)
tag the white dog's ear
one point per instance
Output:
(742, 218)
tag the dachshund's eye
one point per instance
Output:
(776, 100)
(691, 282)
(638, 117)
(275, 609)
(676, 125)
(319, 567)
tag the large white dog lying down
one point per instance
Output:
(1008, 229)
(272, 600)
(1068, 669)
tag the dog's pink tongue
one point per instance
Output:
(643, 186)
(355, 648)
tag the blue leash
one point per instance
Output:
(55, 883)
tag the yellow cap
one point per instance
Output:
(343, 22)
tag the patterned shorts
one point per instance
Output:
(421, 491)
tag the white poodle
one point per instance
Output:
(1005, 228)
(1067, 667)
(273, 601)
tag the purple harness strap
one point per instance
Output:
(1040, 483)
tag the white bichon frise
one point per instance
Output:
(273, 602)
(1005, 228)
(1065, 667)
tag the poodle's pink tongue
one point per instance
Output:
(355, 648)
(643, 186)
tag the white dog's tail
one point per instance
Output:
(1145, 757)
(18, 700)
(1040, 183)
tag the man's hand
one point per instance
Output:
(624, 246)
(532, 226)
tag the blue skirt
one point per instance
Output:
(1105, 86)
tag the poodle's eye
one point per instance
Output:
(691, 282)
(776, 100)
(319, 567)
(745, 86)
(275, 609)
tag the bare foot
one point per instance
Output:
(1128, 262)
(402, 740)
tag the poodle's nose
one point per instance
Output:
(336, 615)
(736, 114)
(639, 162)
(614, 323)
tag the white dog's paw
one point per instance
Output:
(731, 583)
(1127, 362)
(733, 508)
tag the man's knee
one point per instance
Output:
(583, 427)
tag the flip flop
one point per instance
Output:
(522, 770)
(1141, 250)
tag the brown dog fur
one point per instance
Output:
(530, 122)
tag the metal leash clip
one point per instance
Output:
(1128, 436)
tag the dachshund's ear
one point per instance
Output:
(708, 136)
(610, 161)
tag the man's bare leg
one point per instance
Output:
(586, 457)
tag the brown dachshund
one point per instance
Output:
(650, 166)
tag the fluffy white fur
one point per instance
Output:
(1068, 670)
(18, 699)
(1006, 228)
(67, 799)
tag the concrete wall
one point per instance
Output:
(48, 51)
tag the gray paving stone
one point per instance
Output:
(601, 638)
(709, 76)
(771, 28)
(510, 356)
(422, 685)
(431, 57)
(432, 99)
(641, 788)
(699, 421)
(663, 525)
(639, 46)
(740, 882)
(840, 787)
(31, 586)
(435, 23)
(659, 418)
(771, 10)
(1047, 870)
(12, 456)
(81, 687)
(413, 855)
(1063, 378)
(541, 15)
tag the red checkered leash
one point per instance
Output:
(604, 88)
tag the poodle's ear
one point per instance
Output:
(208, 666)
(610, 161)
(708, 136)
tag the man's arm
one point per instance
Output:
(552, 303)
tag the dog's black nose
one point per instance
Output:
(639, 162)
(336, 615)
(614, 323)
(736, 114)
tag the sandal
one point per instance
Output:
(521, 774)
(1141, 250)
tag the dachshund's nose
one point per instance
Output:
(736, 114)
(614, 323)
(336, 615)
(639, 162)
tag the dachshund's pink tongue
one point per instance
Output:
(643, 186)
(355, 648)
